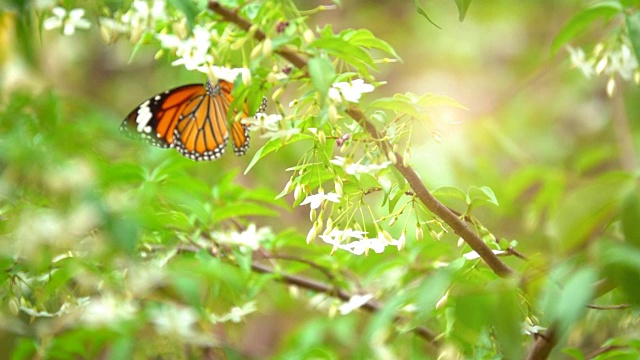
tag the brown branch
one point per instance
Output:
(372, 306)
(232, 16)
(458, 226)
(603, 350)
(609, 307)
(436, 207)
(543, 346)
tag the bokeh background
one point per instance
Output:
(534, 128)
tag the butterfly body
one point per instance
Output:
(192, 119)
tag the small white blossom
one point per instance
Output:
(472, 255)
(174, 320)
(237, 314)
(192, 52)
(358, 168)
(107, 311)
(341, 235)
(529, 329)
(350, 91)
(249, 238)
(68, 21)
(361, 246)
(230, 74)
(316, 200)
(263, 122)
(355, 302)
(579, 61)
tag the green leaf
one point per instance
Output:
(243, 209)
(463, 6)
(633, 26)
(424, 14)
(582, 20)
(622, 266)
(630, 217)
(482, 195)
(273, 145)
(365, 38)
(353, 55)
(188, 8)
(566, 295)
(507, 318)
(452, 197)
(393, 201)
(586, 209)
(322, 74)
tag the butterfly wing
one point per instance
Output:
(192, 119)
(239, 131)
(155, 119)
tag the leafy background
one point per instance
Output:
(557, 153)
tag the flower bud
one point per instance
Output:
(322, 138)
(419, 233)
(267, 48)
(392, 157)
(277, 94)
(256, 50)
(297, 192)
(308, 36)
(312, 233)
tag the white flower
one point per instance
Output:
(334, 95)
(173, 319)
(341, 235)
(230, 74)
(140, 16)
(263, 122)
(68, 21)
(472, 255)
(249, 238)
(623, 62)
(361, 246)
(358, 168)
(66, 308)
(529, 329)
(579, 61)
(192, 52)
(107, 310)
(316, 200)
(236, 314)
(180, 321)
(355, 302)
(351, 91)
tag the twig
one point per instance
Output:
(603, 350)
(372, 306)
(458, 226)
(436, 207)
(543, 346)
(609, 307)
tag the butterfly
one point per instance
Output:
(192, 119)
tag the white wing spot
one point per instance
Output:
(144, 115)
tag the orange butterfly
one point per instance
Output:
(192, 119)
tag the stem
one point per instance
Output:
(436, 207)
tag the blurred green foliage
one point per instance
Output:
(108, 246)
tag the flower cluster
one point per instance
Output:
(362, 245)
(68, 21)
(349, 91)
(607, 60)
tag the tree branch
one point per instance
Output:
(543, 346)
(457, 225)
(372, 306)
